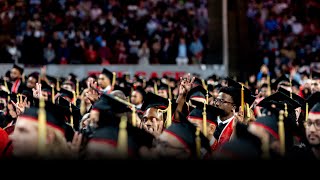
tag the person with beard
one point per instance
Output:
(272, 105)
(154, 119)
(312, 150)
(16, 75)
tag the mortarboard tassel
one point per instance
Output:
(18, 98)
(155, 87)
(74, 98)
(269, 85)
(113, 79)
(307, 111)
(285, 110)
(281, 133)
(198, 143)
(71, 116)
(6, 86)
(207, 97)
(58, 85)
(248, 113)
(77, 89)
(52, 93)
(123, 137)
(242, 97)
(83, 108)
(204, 121)
(204, 84)
(169, 114)
(42, 128)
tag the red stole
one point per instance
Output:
(224, 136)
(15, 86)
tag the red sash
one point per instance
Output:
(15, 86)
(224, 136)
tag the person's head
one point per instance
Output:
(137, 96)
(313, 126)
(68, 85)
(105, 78)
(315, 85)
(152, 118)
(25, 137)
(32, 80)
(227, 100)
(163, 93)
(264, 90)
(16, 72)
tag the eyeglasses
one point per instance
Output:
(316, 124)
(221, 101)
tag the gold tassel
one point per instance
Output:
(204, 121)
(42, 128)
(242, 98)
(155, 87)
(71, 116)
(281, 133)
(198, 143)
(18, 98)
(307, 112)
(204, 84)
(248, 111)
(74, 98)
(269, 85)
(113, 79)
(285, 110)
(52, 93)
(77, 89)
(207, 97)
(122, 145)
(58, 85)
(169, 114)
(134, 118)
(83, 108)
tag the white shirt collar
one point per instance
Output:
(212, 141)
(226, 121)
(106, 89)
(139, 106)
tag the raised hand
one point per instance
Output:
(238, 117)
(21, 105)
(37, 91)
(75, 145)
(93, 93)
(185, 85)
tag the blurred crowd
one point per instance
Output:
(286, 34)
(103, 31)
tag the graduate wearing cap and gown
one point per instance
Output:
(197, 116)
(311, 151)
(182, 140)
(32, 80)
(137, 97)
(106, 80)
(40, 133)
(156, 112)
(16, 77)
(163, 90)
(284, 82)
(273, 105)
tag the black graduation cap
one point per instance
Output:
(245, 146)
(295, 97)
(282, 80)
(313, 99)
(126, 90)
(150, 83)
(153, 100)
(248, 97)
(108, 73)
(197, 92)
(52, 79)
(279, 99)
(141, 91)
(74, 111)
(315, 74)
(315, 108)
(197, 82)
(185, 131)
(212, 112)
(20, 69)
(35, 75)
(108, 102)
(163, 86)
(69, 82)
(47, 88)
(136, 138)
(66, 93)
(55, 115)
